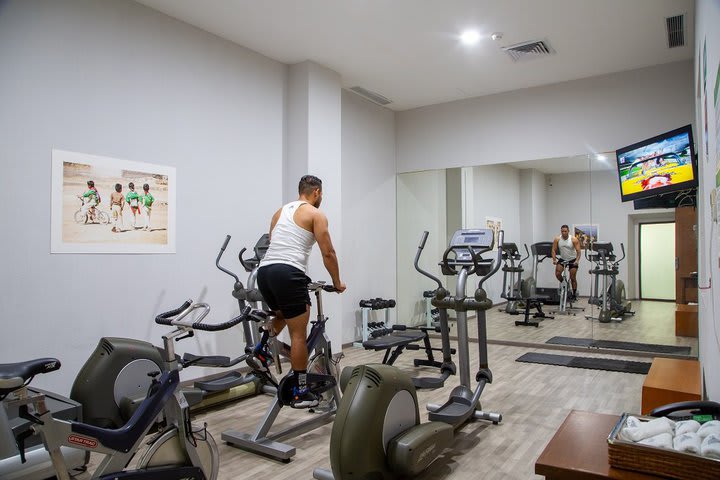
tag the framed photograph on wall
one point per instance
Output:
(108, 205)
(494, 224)
(586, 233)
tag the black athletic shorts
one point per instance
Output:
(284, 288)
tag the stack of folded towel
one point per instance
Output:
(685, 436)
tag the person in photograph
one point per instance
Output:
(147, 202)
(90, 199)
(133, 199)
(282, 279)
(117, 204)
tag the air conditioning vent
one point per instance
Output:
(675, 31)
(529, 50)
(372, 96)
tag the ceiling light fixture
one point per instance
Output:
(469, 37)
(600, 157)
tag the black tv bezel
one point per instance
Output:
(662, 190)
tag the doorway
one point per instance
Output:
(657, 261)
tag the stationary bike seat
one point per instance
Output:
(14, 375)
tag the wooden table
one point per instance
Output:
(579, 450)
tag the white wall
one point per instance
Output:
(706, 33)
(496, 193)
(421, 206)
(533, 210)
(313, 141)
(367, 263)
(581, 116)
(121, 80)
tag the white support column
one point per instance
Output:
(313, 146)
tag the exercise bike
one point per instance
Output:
(565, 307)
(608, 295)
(321, 378)
(179, 450)
(113, 381)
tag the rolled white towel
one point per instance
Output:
(687, 442)
(631, 424)
(686, 426)
(709, 428)
(664, 440)
(711, 446)
(643, 430)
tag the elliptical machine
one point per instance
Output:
(467, 247)
(609, 294)
(403, 337)
(513, 283)
(367, 443)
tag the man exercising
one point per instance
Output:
(282, 281)
(569, 249)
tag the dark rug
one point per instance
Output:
(637, 347)
(608, 364)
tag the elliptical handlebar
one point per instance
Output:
(423, 239)
(454, 248)
(217, 260)
(496, 263)
(526, 257)
(622, 249)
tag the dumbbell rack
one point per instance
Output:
(430, 316)
(366, 306)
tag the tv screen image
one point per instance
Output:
(658, 165)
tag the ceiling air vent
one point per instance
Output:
(372, 96)
(528, 50)
(675, 31)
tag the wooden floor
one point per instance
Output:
(533, 399)
(653, 322)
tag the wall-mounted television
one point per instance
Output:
(658, 165)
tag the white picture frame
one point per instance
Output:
(74, 231)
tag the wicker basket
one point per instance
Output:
(658, 461)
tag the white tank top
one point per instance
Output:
(566, 248)
(289, 243)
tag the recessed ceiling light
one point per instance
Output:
(601, 157)
(469, 37)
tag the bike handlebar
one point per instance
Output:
(315, 286)
(248, 267)
(168, 318)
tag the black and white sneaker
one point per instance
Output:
(302, 397)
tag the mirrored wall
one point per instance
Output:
(531, 200)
